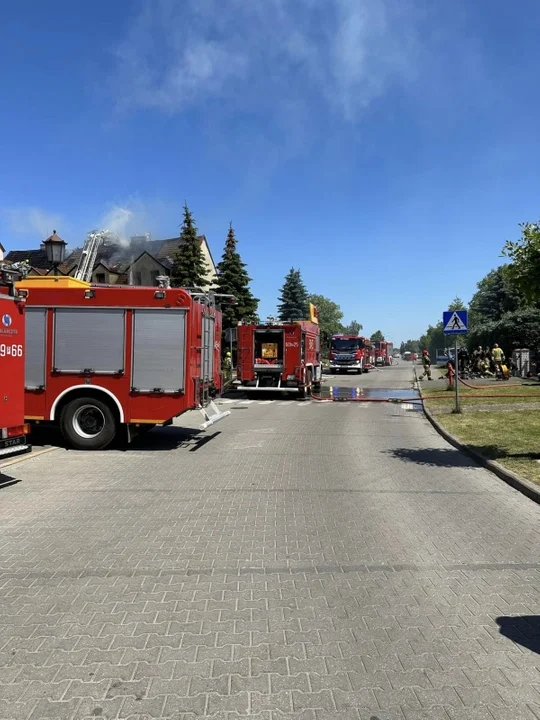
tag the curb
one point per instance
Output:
(518, 483)
(26, 456)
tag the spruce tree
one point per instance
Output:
(232, 279)
(293, 301)
(189, 269)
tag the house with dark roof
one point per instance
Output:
(138, 262)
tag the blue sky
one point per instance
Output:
(388, 148)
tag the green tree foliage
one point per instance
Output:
(524, 270)
(501, 312)
(353, 328)
(377, 335)
(412, 346)
(330, 315)
(457, 304)
(189, 269)
(293, 301)
(434, 339)
(233, 279)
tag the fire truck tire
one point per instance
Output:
(88, 423)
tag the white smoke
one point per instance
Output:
(117, 221)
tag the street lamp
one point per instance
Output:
(55, 248)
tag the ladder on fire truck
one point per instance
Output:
(89, 254)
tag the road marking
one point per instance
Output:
(246, 402)
(265, 402)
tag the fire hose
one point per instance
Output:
(419, 398)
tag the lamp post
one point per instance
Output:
(55, 248)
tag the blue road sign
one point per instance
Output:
(455, 322)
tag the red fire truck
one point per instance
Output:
(283, 358)
(13, 429)
(350, 352)
(383, 352)
(101, 358)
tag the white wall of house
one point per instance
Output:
(210, 265)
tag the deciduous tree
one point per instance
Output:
(330, 315)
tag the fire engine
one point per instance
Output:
(350, 352)
(283, 357)
(105, 358)
(383, 352)
(13, 429)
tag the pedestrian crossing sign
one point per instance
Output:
(455, 322)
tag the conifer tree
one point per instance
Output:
(189, 269)
(233, 279)
(293, 301)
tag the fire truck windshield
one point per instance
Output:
(347, 344)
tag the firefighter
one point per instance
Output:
(426, 364)
(498, 359)
(478, 359)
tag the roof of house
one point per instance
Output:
(114, 257)
(35, 258)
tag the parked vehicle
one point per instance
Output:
(349, 352)
(13, 429)
(383, 352)
(101, 359)
(283, 357)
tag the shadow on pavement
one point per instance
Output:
(7, 480)
(157, 439)
(170, 438)
(523, 630)
(436, 457)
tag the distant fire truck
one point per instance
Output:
(284, 357)
(383, 352)
(13, 429)
(350, 352)
(105, 358)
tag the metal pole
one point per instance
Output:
(456, 377)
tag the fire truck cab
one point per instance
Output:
(348, 352)
(282, 357)
(101, 358)
(13, 430)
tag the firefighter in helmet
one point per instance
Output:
(498, 358)
(426, 365)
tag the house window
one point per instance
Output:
(100, 277)
(154, 276)
(137, 278)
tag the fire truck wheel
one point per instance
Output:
(88, 424)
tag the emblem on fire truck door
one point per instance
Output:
(6, 320)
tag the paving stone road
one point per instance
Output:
(297, 561)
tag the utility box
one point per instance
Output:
(522, 361)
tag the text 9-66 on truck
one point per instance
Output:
(13, 429)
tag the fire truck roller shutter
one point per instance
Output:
(89, 339)
(34, 357)
(159, 350)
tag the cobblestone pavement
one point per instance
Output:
(307, 562)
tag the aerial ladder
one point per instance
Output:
(89, 254)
